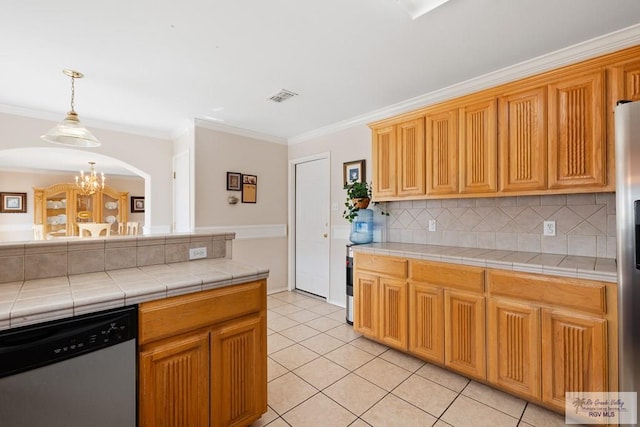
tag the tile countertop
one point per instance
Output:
(41, 300)
(603, 269)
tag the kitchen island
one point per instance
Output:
(202, 323)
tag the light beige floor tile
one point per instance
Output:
(403, 360)
(322, 343)
(355, 393)
(286, 309)
(340, 316)
(369, 346)
(349, 357)
(274, 369)
(280, 324)
(266, 418)
(324, 309)
(383, 374)
(523, 424)
(344, 332)
(270, 332)
(322, 323)
(496, 399)
(541, 417)
(468, 412)
(443, 377)
(441, 423)
(321, 372)
(273, 315)
(359, 423)
(278, 422)
(303, 316)
(425, 394)
(319, 411)
(288, 391)
(276, 342)
(274, 302)
(392, 411)
(308, 303)
(294, 356)
(300, 333)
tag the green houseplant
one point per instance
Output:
(358, 197)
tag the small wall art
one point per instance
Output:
(234, 181)
(353, 171)
(137, 204)
(249, 188)
(13, 202)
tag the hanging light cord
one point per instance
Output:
(73, 93)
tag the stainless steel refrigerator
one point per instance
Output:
(627, 130)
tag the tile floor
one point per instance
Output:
(322, 373)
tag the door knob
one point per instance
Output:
(325, 235)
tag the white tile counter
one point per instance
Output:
(603, 269)
(40, 300)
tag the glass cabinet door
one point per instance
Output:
(56, 214)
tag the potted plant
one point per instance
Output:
(358, 197)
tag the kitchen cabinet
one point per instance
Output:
(398, 154)
(380, 299)
(426, 322)
(203, 358)
(464, 331)
(576, 142)
(59, 207)
(478, 147)
(523, 140)
(442, 151)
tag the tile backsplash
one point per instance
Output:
(585, 223)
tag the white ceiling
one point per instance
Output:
(155, 66)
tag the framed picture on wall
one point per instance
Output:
(249, 188)
(234, 181)
(353, 171)
(137, 204)
(13, 202)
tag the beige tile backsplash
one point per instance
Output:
(43, 259)
(585, 223)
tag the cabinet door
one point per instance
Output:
(478, 148)
(626, 78)
(523, 141)
(238, 372)
(366, 304)
(577, 151)
(442, 152)
(174, 383)
(464, 331)
(393, 313)
(411, 158)
(514, 346)
(574, 356)
(384, 162)
(426, 327)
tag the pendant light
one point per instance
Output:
(70, 131)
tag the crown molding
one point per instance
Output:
(588, 49)
(208, 124)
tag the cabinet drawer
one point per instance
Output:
(585, 295)
(382, 264)
(176, 315)
(447, 275)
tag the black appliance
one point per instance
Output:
(349, 282)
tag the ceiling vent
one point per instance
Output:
(282, 96)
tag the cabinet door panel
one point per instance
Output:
(366, 304)
(479, 144)
(574, 356)
(426, 327)
(384, 162)
(393, 311)
(514, 346)
(238, 383)
(442, 152)
(523, 141)
(464, 331)
(411, 158)
(174, 383)
(577, 152)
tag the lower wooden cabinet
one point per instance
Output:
(426, 317)
(393, 313)
(464, 330)
(203, 358)
(366, 306)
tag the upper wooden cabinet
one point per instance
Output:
(411, 159)
(442, 151)
(523, 140)
(384, 162)
(577, 150)
(478, 147)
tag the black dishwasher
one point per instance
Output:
(79, 371)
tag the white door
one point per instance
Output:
(312, 227)
(181, 192)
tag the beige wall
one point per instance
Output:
(344, 146)
(134, 150)
(261, 237)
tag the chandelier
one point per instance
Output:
(89, 183)
(70, 131)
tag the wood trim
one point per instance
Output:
(447, 275)
(381, 264)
